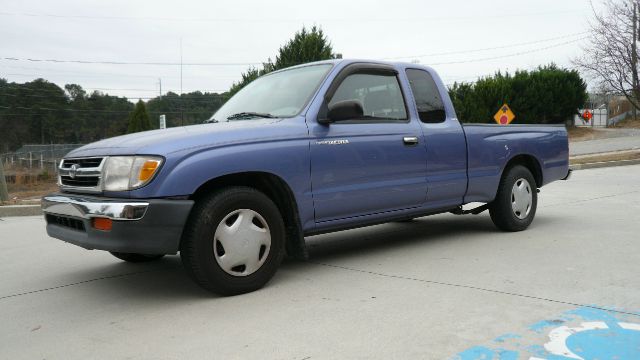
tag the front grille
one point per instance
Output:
(84, 162)
(64, 221)
(84, 173)
(80, 181)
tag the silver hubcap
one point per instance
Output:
(521, 199)
(241, 243)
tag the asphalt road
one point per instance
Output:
(439, 287)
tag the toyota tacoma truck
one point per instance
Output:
(310, 149)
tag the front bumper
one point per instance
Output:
(149, 226)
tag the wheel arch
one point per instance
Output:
(528, 161)
(277, 190)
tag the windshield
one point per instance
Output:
(281, 94)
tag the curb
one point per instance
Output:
(602, 164)
(20, 210)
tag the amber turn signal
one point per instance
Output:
(103, 224)
(148, 169)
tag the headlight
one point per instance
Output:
(129, 172)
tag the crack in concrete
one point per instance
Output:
(84, 282)
(471, 287)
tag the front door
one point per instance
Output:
(372, 164)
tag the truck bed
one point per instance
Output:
(490, 146)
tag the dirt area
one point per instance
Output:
(584, 134)
(27, 186)
(615, 156)
(25, 194)
(629, 123)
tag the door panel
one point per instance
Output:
(444, 140)
(360, 169)
(446, 163)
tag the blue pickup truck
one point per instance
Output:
(311, 149)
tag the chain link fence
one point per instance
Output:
(36, 157)
(31, 170)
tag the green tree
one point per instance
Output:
(139, 119)
(546, 95)
(305, 46)
(75, 91)
(186, 109)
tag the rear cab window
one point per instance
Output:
(427, 97)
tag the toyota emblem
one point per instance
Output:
(73, 171)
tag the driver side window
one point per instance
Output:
(379, 95)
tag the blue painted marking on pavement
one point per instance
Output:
(540, 326)
(476, 353)
(591, 314)
(606, 344)
(504, 337)
(483, 353)
(585, 333)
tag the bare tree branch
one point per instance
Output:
(611, 56)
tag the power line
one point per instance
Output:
(205, 91)
(170, 98)
(94, 111)
(509, 55)
(110, 62)
(288, 19)
(480, 77)
(110, 75)
(487, 48)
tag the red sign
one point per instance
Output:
(587, 115)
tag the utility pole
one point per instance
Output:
(163, 118)
(4, 194)
(181, 100)
(634, 59)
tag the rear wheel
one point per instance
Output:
(515, 204)
(136, 258)
(234, 241)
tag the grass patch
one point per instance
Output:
(584, 134)
(24, 184)
(617, 156)
(629, 123)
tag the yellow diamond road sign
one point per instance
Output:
(504, 116)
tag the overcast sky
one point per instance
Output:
(229, 35)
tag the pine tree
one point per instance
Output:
(139, 119)
(305, 46)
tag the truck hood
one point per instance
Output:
(166, 141)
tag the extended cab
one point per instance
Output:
(306, 150)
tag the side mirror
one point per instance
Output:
(344, 110)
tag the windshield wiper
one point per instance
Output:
(209, 121)
(249, 114)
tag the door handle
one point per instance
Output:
(410, 140)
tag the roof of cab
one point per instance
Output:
(396, 64)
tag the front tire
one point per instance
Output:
(516, 201)
(234, 241)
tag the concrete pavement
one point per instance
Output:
(439, 287)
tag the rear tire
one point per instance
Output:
(516, 201)
(234, 241)
(136, 258)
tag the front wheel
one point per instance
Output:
(234, 241)
(515, 204)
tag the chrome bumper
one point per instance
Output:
(86, 208)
